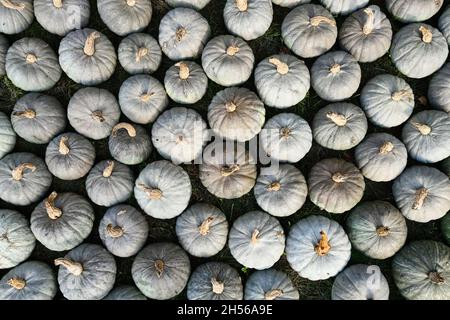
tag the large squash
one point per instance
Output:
(413, 10)
(16, 15)
(439, 89)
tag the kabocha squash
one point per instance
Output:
(344, 6)
(215, 281)
(123, 230)
(125, 293)
(87, 57)
(413, 10)
(62, 221)
(161, 270)
(282, 80)
(418, 50)
(228, 60)
(183, 33)
(444, 24)
(236, 114)
(445, 227)
(69, 156)
(427, 135)
(4, 45)
(339, 126)
(422, 193)
(439, 89)
(335, 185)
(62, 16)
(387, 100)
(377, 229)
(360, 282)
(87, 272)
(163, 190)
(286, 137)
(7, 135)
(16, 15)
(366, 34)
(179, 134)
(317, 248)
(129, 143)
(24, 178)
(139, 53)
(185, 82)
(38, 118)
(270, 285)
(32, 65)
(202, 230)
(109, 183)
(381, 157)
(228, 171)
(309, 30)
(248, 19)
(194, 4)
(335, 76)
(281, 192)
(17, 241)
(142, 98)
(32, 280)
(421, 271)
(125, 16)
(289, 3)
(256, 240)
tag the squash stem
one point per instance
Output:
(421, 195)
(323, 246)
(317, 20)
(217, 286)
(17, 173)
(123, 125)
(73, 267)
(184, 70)
(17, 283)
(273, 294)
(107, 172)
(204, 227)
(49, 203)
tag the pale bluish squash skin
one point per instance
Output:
(260, 284)
(343, 7)
(289, 3)
(130, 59)
(444, 24)
(7, 136)
(413, 10)
(128, 149)
(4, 45)
(194, 4)
(16, 21)
(125, 293)
(439, 88)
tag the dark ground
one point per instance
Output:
(162, 230)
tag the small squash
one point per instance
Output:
(418, 50)
(179, 134)
(413, 10)
(309, 30)
(32, 65)
(445, 227)
(87, 57)
(339, 126)
(183, 33)
(366, 34)
(16, 15)
(317, 248)
(202, 230)
(69, 156)
(256, 240)
(62, 16)
(335, 185)
(286, 137)
(194, 4)
(236, 114)
(282, 80)
(129, 143)
(17, 241)
(228, 60)
(142, 98)
(161, 270)
(427, 135)
(139, 53)
(87, 272)
(289, 3)
(421, 271)
(7, 135)
(344, 7)
(123, 230)
(4, 45)
(163, 190)
(439, 89)
(281, 192)
(381, 157)
(109, 183)
(215, 281)
(360, 282)
(248, 19)
(62, 221)
(38, 118)
(125, 16)
(269, 285)
(422, 193)
(32, 280)
(186, 82)
(444, 24)
(335, 76)
(93, 112)
(125, 293)
(228, 171)
(377, 229)
(24, 178)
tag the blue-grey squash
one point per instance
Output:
(444, 24)
(413, 10)
(289, 3)
(194, 4)
(439, 89)
(344, 7)
(4, 45)
(16, 15)
(139, 53)
(125, 292)
(7, 135)
(270, 285)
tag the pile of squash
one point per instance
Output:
(377, 127)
